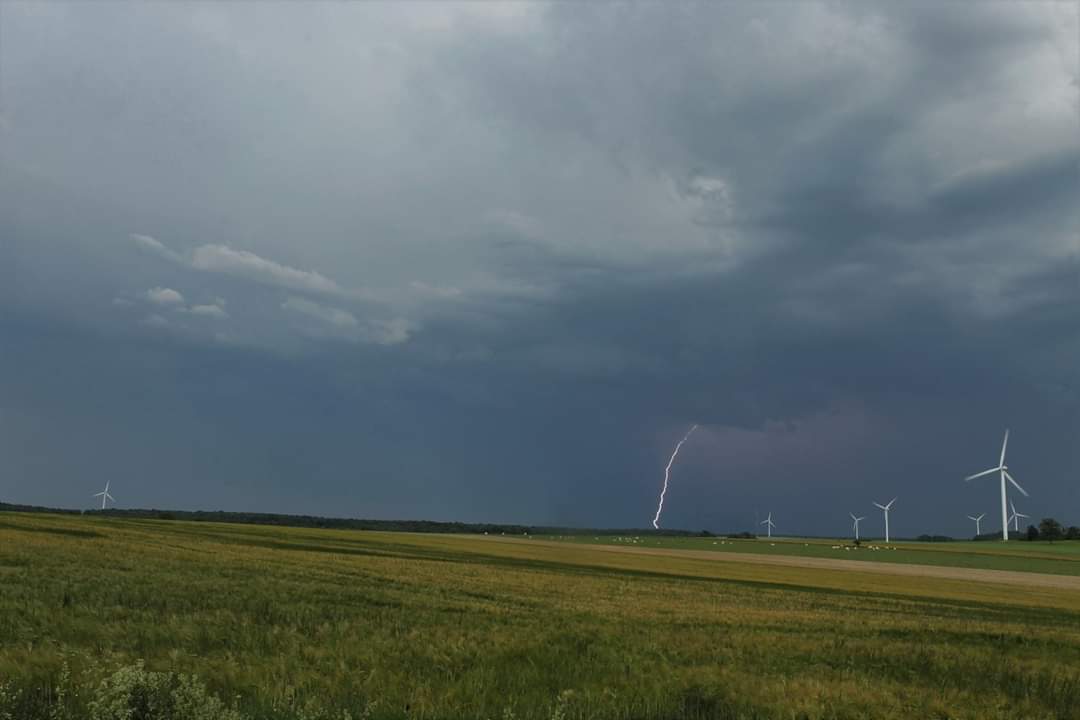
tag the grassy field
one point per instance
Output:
(301, 623)
(1058, 558)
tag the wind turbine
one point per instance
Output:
(886, 508)
(104, 495)
(977, 521)
(1016, 517)
(1004, 470)
(856, 519)
(768, 523)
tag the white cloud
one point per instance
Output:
(164, 296)
(156, 246)
(243, 263)
(330, 315)
(212, 311)
(223, 259)
(322, 320)
(337, 323)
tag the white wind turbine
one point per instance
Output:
(1016, 516)
(977, 521)
(104, 495)
(856, 519)
(768, 523)
(1003, 469)
(886, 508)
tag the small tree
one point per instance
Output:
(1073, 533)
(1050, 529)
(1032, 532)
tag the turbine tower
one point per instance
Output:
(886, 507)
(977, 521)
(1016, 517)
(104, 495)
(768, 523)
(1003, 469)
(856, 519)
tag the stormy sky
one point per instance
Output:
(489, 262)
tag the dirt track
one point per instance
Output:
(1004, 577)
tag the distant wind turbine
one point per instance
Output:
(1016, 516)
(886, 509)
(1003, 469)
(768, 523)
(857, 520)
(104, 495)
(977, 520)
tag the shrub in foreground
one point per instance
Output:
(134, 693)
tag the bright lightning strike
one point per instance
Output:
(667, 474)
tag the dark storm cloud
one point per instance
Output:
(489, 262)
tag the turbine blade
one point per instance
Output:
(882, 507)
(891, 502)
(1015, 484)
(984, 472)
(1004, 444)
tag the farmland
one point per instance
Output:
(1056, 558)
(285, 623)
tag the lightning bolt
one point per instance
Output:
(667, 474)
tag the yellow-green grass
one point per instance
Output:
(1058, 558)
(293, 622)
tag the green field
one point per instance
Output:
(1058, 558)
(303, 623)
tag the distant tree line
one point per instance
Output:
(417, 526)
(1048, 530)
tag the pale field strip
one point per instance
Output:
(1004, 577)
(966, 584)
